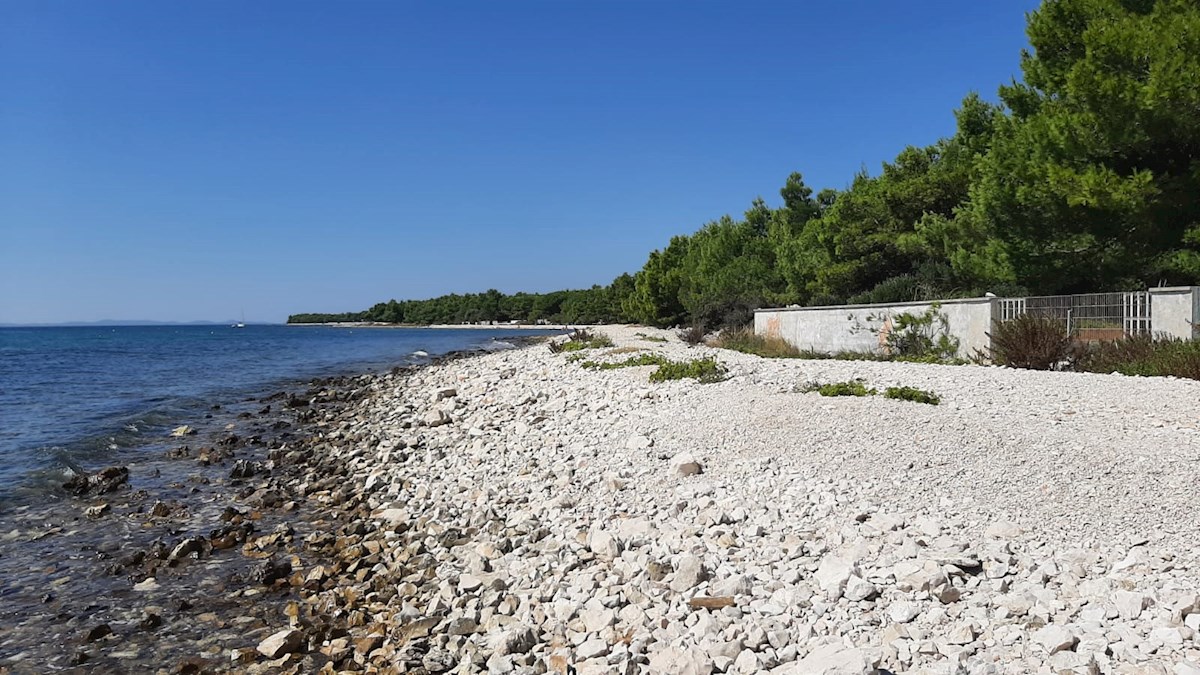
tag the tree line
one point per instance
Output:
(1085, 176)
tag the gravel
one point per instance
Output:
(563, 518)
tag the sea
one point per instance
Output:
(75, 399)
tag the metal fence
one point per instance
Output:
(1090, 316)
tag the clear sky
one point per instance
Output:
(180, 161)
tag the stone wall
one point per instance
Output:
(864, 327)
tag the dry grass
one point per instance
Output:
(623, 350)
(746, 340)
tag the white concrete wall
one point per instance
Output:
(1175, 311)
(857, 327)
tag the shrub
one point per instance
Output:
(912, 394)
(651, 338)
(693, 336)
(580, 340)
(1143, 355)
(1033, 342)
(922, 337)
(747, 341)
(706, 370)
(849, 388)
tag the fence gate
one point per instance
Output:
(1090, 316)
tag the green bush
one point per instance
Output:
(580, 340)
(1033, 342)
(1143, 355)
(912, 394)
(747, 341)
(706, 370)
(849, 388)
(924, 338)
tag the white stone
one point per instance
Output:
(681, 661)
(286, 641)
(638, 442)
(149, 584)
(1054, 638)
(832, 575)
(435, 418)
(685, 464)
(689, 572)
(831, 659)
(1129, 604)
(604, 544)
(858, 589)
(903, 612)
(592, 648)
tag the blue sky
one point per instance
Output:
(183, 161)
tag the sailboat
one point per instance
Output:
(242, 323)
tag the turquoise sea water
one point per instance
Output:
(82, 397)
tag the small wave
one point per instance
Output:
(498, 345)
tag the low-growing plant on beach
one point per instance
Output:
(580, 340)
(576, 357)
(856, 387)
(631, 362)
(651, 338)
(912, 394)
(706, 371)
(1033, 342)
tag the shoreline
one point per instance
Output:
(445, 326)
(513, 512)
(220, 510)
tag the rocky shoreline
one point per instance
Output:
(515, 513)
(176, 562)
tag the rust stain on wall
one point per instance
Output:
(773, 328)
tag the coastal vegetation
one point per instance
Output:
(580, 340)
(1080, 177)
(858, 387)
(706, 371)
(631, 362)
(855, 387)
(912, 394)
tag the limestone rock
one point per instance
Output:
(681, 661)
(515, 640)
(286, 641)
(832, 659)
(689, 572)
(1054, 638)
(833, 575)
(685, 464)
